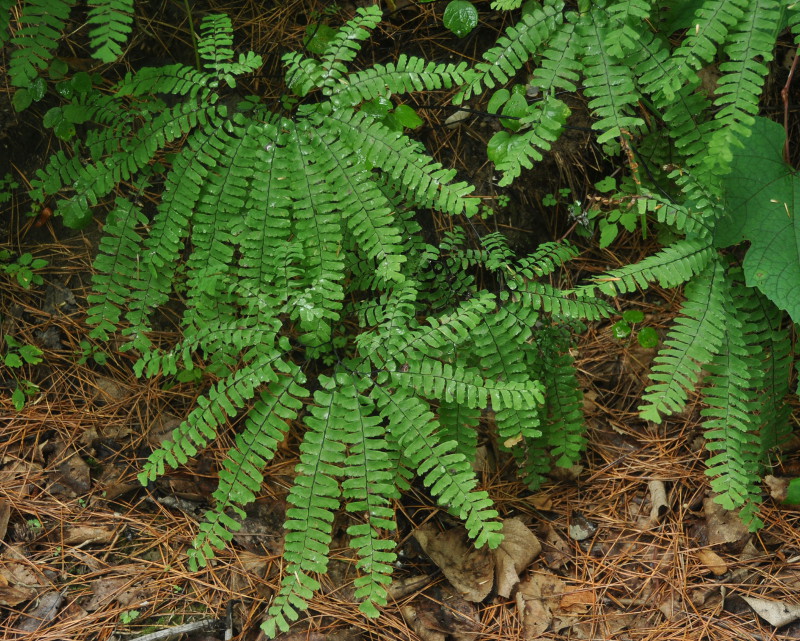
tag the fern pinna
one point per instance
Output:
(310, 288)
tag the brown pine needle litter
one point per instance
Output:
(633, 548)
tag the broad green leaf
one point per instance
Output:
(460, 17)
(497, 100)
(793, 492)
(516, 107)
(763, 200)
(317, 37)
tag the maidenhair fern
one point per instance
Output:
(643, 92)
(309, 286)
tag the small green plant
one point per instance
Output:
(90, 351)
(23, 268)
(17, 356)
(129, 616)
(7, 186)
(647, 337)
(551, 200)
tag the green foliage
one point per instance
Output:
(762, 196)
(308, 287)
(38, 31)
(23, 268)
(723, 181)
(18, 355)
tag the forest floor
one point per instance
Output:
(632, 545)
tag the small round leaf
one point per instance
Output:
(621, 330)
(460, 17)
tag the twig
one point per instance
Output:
(785, 97)
(206, 625)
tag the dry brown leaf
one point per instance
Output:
(45, 610)
(79, 534)
(723, 526)
(555, 550)
(401, 588)
(413, 621)
(11, 596)
(776, 613)
(576, 601)
(541, 502)
(537, 597)
(519, 547)
(123, 590)
(72, 475)
(659, 504)
(469, 571)
(712, 561)
(5, 515)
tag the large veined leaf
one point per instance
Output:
(763, 199)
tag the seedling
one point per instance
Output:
(647, 337)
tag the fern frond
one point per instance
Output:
(769, 337)
(215, 47)
(459, 424)
(564, 303)
(693, 340)
(406, 75)
(316, 221)
(670, 267)
(344, 47)
(513, 50)
(546, 120)
(564, 427)
(6, 14)
(448, 474)
(749, 51)
(560, 64)
(624, 18)
(176, 80)
(505, 5)
(224, 400)
(367, 212)
(315, 497)
(500, 344)
(608, 82)
(713, 20)
(465, 386)
(110, 23)
(425, 182)
(241, 475)
(41, 23)
(116, 261)
(733, 420)
(368, 488)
